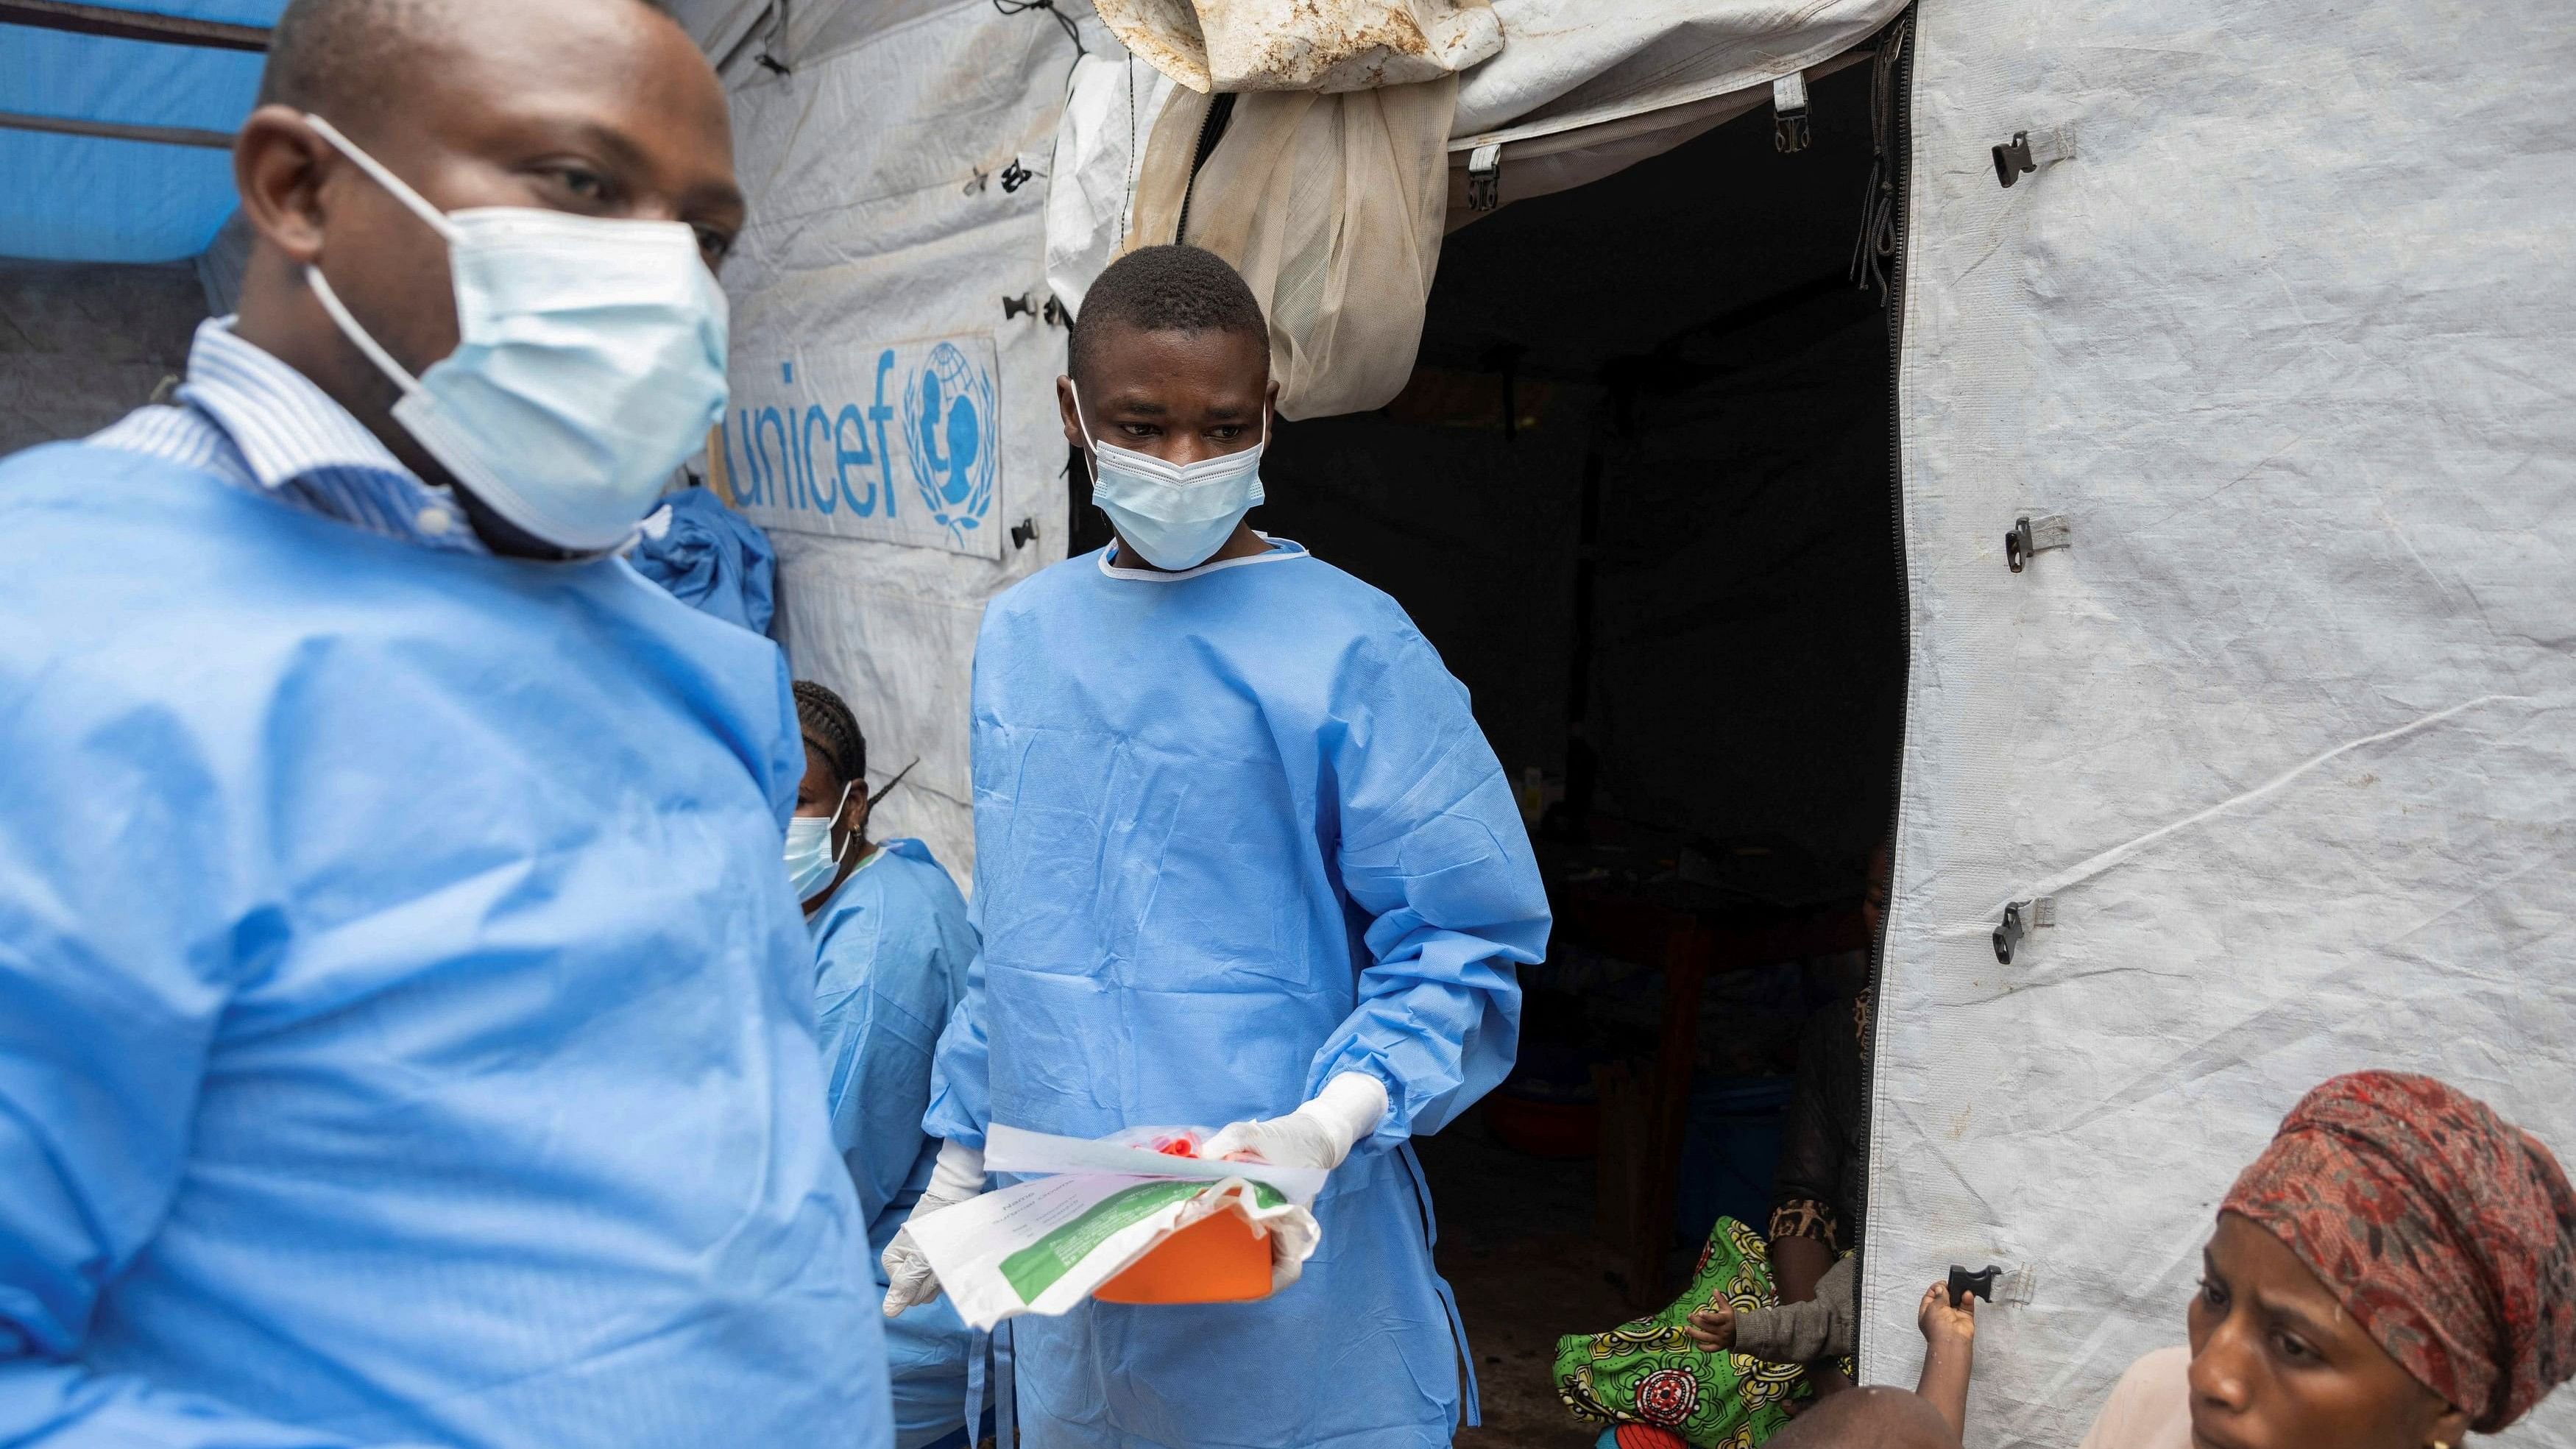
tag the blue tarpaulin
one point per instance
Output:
(95, 199)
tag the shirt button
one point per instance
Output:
(433, 520)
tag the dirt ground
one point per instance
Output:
(1516, 1242)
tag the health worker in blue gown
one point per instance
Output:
(891, 951)
(406, 1030)
(1242, 857)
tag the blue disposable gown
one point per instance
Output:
(406, 1032)
(712, 559)
(891, 950)
(1236, 833)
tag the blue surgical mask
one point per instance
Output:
(811, 860)
(590, 361)
(1175, 514)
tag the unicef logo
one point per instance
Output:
(948, 418)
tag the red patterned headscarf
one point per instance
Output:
(2448, 1232)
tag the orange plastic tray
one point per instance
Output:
(1218, 1259)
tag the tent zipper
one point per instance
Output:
(1211, 130)
(1899, 162)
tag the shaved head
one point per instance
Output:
(1879, 1418)
(336, 57)
(1164, 289)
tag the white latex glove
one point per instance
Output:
(955, 1177)
(1318, 1134)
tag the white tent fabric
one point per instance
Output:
(722, 26)
(1334, 207)
(1561, 64)
(892, 420)
(1569, 63)
(1595, 88)
(1091, 188)
(1331, 208)
(1551, 159)
(734, 32)
(1338, 45)
(2288, 733)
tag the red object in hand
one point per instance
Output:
(1177, 1147)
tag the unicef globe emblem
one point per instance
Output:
(949, 421)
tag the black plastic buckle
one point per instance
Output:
(2013, 160)
(1981, 1283)
(2008, 934)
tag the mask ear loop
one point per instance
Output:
(383, 177)
(321, 285)
(356, 334)
(1139, 462)
(837, 812)
(1090, 443)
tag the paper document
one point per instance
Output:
(1131, 1154)
(1042, 1246)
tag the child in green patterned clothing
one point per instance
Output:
(1683, 1371)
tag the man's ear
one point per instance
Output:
(278, 165)
(1071, 417)
(1270, 409)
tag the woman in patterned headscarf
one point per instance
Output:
(2396, 1269)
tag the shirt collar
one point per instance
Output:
(285, 427)
(1281, 550)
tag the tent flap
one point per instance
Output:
(2287, 734)
(1568, 63)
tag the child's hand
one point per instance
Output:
(1949, 1352)
(1943, 1324)
(1713, 1329)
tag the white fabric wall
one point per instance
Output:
(1586, 90)
(1561, 63)
(873, 237)
(1091, 190)
(1575, 94)
(1570, 63)
(2290, 731)
(732, 31)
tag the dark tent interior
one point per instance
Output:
(1640, 495)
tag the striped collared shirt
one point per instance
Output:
(254, 420)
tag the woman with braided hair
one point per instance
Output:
(891, 950)
(2396, 1269)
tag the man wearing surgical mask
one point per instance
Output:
(454, 1081)
(1242, 858)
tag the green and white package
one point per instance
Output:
(1043, 1245)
